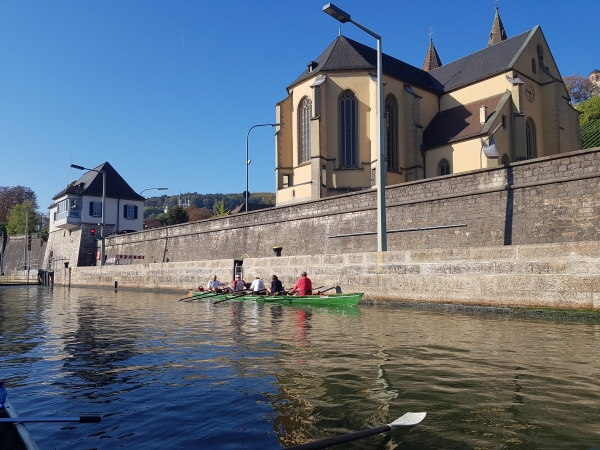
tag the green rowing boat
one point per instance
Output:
(317, 300)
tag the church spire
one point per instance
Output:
(497, 34)
(432, 59)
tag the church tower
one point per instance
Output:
(497, 34)
(432, 59)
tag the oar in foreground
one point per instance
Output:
(407, 420)
(80, 419)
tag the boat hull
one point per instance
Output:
(14, 436)
(316, 300)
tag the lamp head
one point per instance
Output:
(77, 167)
(337, 13)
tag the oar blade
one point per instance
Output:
(409, 419)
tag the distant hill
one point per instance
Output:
(156, 205)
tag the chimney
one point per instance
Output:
(483, 115)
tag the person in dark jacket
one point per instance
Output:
(276, 286)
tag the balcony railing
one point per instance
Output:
(65, 214)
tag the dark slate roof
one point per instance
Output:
(458, 123)
(90, 183)
(480, 65)
(345, 54)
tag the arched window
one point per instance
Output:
(533, 65)
(540, 53)
(391, 132)
(444, 167)
(304, 114)
(531, 139)
(505, 159)
(348, 130)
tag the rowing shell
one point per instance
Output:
(318, 300)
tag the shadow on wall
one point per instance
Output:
(510, 205)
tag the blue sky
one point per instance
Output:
(167, 90)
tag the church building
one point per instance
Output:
(504, 103)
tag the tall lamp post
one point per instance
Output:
(158, 189)
(247, 160)
(344, 17)
(102, 246)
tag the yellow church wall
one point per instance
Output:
(483, 89)
(361, 86)
(301, 174)
(293, 194)
(298, 94)
(284, 139)
(433, 158)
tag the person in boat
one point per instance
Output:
(303, 286)
(257, 286)
(238, 285)
(214, 284)
(276, 286)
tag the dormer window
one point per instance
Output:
(312, 65)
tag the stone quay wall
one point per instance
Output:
(559, 275)
(14, 253)
(548, 200)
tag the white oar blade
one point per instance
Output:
(408, 420)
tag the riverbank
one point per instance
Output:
(563, 276)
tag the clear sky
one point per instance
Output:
(167, 90)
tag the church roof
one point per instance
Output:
(482, 64)
(90, 183)
(432, 59)
(458, 123)
(345, 54)
(498, 34)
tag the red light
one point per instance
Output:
(92, 232)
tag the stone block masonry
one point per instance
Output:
(560, 275)
(547, 200)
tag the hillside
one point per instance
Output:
(156, 205)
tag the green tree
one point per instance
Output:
(176, 215)
(589, 109)
(219, 209)
(44, 234)
(16, 218)
(15, 195)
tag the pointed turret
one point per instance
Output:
(432, 59)
(497, 34)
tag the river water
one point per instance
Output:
(169, 374)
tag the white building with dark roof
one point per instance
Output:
(76, 215)
(438, 119)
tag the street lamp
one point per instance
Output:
(247, 160)
(102, 246)
(344, 17)
(158, 189)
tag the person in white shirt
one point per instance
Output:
(257, 286)
(214, 284)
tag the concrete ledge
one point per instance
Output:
(561, 276)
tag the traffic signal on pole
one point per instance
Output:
(29, 242)
(92, 232)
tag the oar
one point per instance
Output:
(230, 298)
(322, 292)
(407, 420)
(80, 419)
(195, 296)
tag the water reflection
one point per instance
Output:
(179, 375)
